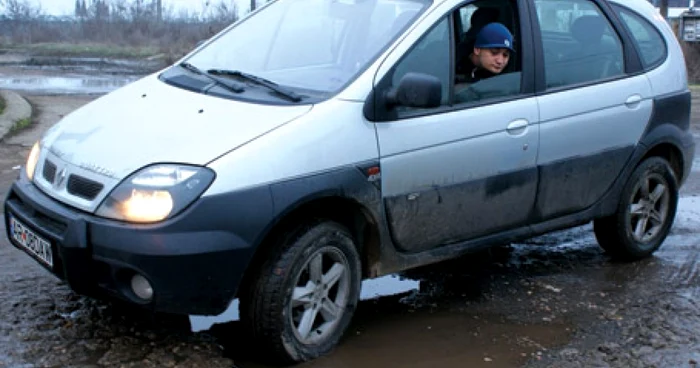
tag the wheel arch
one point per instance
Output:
(673, 144)
(666, 141)
(358, 213)
(671, 153)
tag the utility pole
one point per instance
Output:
(663, 8)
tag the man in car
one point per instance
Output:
(490, 56)
(480, 18)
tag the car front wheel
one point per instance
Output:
(305, 294)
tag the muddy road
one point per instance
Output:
(554, 301)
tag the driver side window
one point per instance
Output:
(431, 55)
(488, 55)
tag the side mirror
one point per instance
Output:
(416, 90)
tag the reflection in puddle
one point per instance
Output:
(387, 286)
(203, 323)
(382, 286)
(75, 84)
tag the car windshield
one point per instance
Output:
(313, 45)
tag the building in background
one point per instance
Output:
(675, 7)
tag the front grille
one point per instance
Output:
(49, 171)
(83, 187)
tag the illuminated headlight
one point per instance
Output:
(32, 160)
(156, 193)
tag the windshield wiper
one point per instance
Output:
(219, 81)
(291, 95)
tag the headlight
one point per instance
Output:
(156, 193)
(32, 161)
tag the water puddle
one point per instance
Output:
(47, 75)
(382, 337)
(91, 62)
(204, 323)
(443, 340)
(65, 84)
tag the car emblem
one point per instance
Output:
(60, 178)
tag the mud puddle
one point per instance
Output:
(441, 339)
(71, 76)
(441, 323)
(62, 64)
(65, 84)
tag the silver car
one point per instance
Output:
(317, 143)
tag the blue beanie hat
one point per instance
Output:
(494, 36)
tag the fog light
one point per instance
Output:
(141, 287)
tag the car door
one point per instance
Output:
(593, 104)
(465, 169)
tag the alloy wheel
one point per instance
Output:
(320, 295)
(649, 208)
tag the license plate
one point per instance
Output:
(30, 241)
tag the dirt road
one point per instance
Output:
(556, 301)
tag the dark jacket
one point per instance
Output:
(467, 72)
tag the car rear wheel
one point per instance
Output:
(645, 214)
(305, 294)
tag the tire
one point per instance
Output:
(645, 213)
(322, 265)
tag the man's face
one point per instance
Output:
(493, 60)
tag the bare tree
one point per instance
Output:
(137, 9)
(225, 13)
(136, 25)
(20, 9)
(83, 9)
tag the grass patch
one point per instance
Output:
(88, 50)
(20, 124)
(2, 105)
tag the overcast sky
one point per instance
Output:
(66, 7)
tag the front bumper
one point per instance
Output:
(194, 263)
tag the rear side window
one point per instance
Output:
(649, 41)
(580, 44)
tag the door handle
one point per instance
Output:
(633, 101)
(517, 127)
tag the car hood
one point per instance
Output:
(149, 122)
